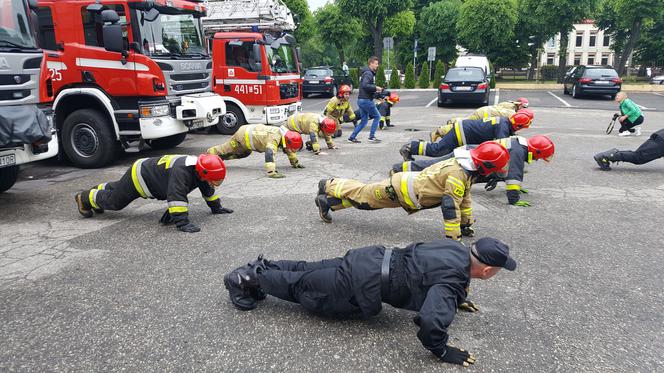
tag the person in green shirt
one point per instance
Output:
(630, 116)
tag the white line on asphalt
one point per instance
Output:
(432, 101)
(658, 94)
(643, 107)
(495, 99)
(559, 99)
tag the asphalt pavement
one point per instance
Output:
(119, 292)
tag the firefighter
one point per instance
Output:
(385, 109)
(446, 184)
(339, 109)
(311, 124)
(521, 151)
(650, 150)
(430, 278)
(170, 178)
(467, 132)
(516, 105)
(263, 139)
(480, 114)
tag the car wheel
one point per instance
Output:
(565, 90)
(441, 102)
(8, 176)
(576, 93)
(88, 139)
(305, 95)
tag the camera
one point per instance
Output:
(615, 116)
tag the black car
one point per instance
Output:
(592, 80)
(464, 84)
(325, 80)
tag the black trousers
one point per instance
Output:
(650, 150)
(339, 288)
(116, 195)
(629, 126)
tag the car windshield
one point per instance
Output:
(318, 73)
(601, 73)
(282, 59)
(172, 35)
(15, 31)
(467, 74)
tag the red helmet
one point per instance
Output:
(490, 157)
(528, 112)
(210, 167)
(293, 140)
(523, 101)
(328, 125)
(343, 90)
(541, 147)
(520, 120)
(393, 98)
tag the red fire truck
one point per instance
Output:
(256, 67)
(124, 73)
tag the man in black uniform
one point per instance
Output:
(431, 278)
(170, 178)
(650, 150)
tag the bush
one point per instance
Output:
(409, 81)
(380, 76)
(549, 72)
(438, 72)
(423, 81)
(354, 76)
(395, 82)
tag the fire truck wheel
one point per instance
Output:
(167, 142)
(88, 139)
(8, 176)
(231, 121)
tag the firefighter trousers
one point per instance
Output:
(648, 151)
(233, 149)
(115, 195)
(445, 145)
(344, 193)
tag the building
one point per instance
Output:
(587, 46)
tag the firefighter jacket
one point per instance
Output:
(485, 112)
(445, 184)
(260, 138)
(339, 110)
(309, 124)
(172, 178)
(508, 105)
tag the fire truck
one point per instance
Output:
(256, 65)
(26, 128)
(125, 73)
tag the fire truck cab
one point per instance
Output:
(255, 61)
(124, 73)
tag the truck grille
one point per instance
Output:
(19, 81)
(289, 90)
(14, 79)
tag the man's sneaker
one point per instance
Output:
(389, 125)
(83, 206)
(637, 131)
(603, 161)
(354, 141)
(373, 139)
(624, 133)
(323, 208)
(405, 153)
(321, 187)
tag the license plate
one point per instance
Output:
(197, 124)
(313, 82)
(7, 160)
(602, 82)
(292, 108)
(463, 88)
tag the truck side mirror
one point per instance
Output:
(33, 4)
(298, 52)
(112, 31)
(258, 65)
(151, 15)
(109, 16)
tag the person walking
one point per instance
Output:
(368, 89)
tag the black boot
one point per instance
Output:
(241, 283)
(83, 204)
(323, 208)
(405, 153)
(604, 159)
(321, 186)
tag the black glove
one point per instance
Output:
(166, 219)
(189, 228)
(468, 306)
(308, 146)
(458, 356)
(221, 210)
(467, 231)
(491, 184)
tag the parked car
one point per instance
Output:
(325, 80)
(476, 60)
(464, 84)
(658, 79)
(592, 80)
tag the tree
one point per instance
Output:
(380, 76)
(400, 27)
(650, 49)
(409, 80)
(329, 18)
(423, 81)
(437, 28)
(438, 73)
(395, 80)
(531, 32)
(302, 15)
(487, 26)
(373, 14)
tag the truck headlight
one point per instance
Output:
(155, 111)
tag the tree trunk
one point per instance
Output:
(533, 62)
(377, 34)
(340, 50)
(562, 58)
(634, 35)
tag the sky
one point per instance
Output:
(315, 4)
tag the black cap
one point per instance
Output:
(493, 252)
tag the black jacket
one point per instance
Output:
(367, 83)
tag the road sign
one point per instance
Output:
(432, 54)
(388, 43)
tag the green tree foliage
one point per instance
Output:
(409, 79)
(373, 14)
(530, 29)
(380, 76)
(302, 15)
(487, 26)
(650, 49)
(395, 81)
(436, 27)
(329, 19)
(438, 73)
(354, 73)
(400, 25)
(423, 81)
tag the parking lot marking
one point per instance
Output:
(559, 99)
(645, 108)
(432, 101)
(495, 99)
(658, 94)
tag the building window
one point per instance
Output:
(579, 39)
(605, 59)
(607, 40)
(46, 30)
(591, 60)
(550, 58)
(92, 26)
(593, 39)
(551, 43)
(577, 59)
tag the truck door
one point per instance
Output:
(240, 68)
(51, 43)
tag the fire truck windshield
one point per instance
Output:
(282, 59)
(173, 35)
(15, 31)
